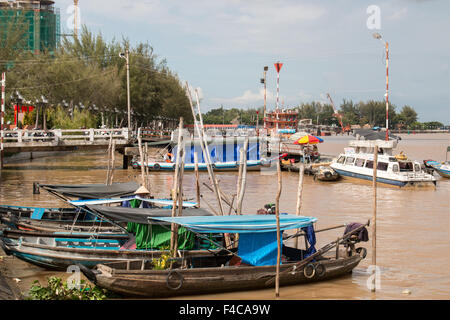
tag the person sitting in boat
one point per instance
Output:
(315, 153)
(168, 157)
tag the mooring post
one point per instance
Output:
(374, 218)
(36, 188)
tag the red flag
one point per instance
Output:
(278, 66)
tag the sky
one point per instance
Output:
(222, 46)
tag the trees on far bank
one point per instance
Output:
(86, 76)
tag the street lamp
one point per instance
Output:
(386, 45)
(263, 81)
(126, 57)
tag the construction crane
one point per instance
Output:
(338, 115)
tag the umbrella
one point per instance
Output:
(308, 139)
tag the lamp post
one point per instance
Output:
(386, 45)
(17, 99)
(263, 81)
(44, 118)
(126, 57)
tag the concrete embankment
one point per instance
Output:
(8, 289)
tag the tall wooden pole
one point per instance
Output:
(2, 117)
(277, 212)
(175, 187)
(141, 155)
(243, 158)
(206, 154)
(374, 218)
(299, 195)
(197, 179)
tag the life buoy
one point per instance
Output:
(320, 270)
(177, 275)
(156, 167)
(309, 271)
(362, 252)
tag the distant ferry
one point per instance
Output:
(357, 162)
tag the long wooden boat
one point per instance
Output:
(137, 280)
(254, 268)
(58, 250)
(58, 253)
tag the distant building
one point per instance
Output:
(281, 119)
(43, 22)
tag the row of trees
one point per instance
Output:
(362, 113)
(84, 80)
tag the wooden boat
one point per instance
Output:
(442, 168)
(324, 173)
(136, 280)
(58, 250)
(139, 278)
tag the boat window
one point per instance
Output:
(350, 160)
(341, 160)
(359, 162)
(395, 168)
(392, 159)
(416, 167)
(369, 164)
(382, 166)
(406, 166)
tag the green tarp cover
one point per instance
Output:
(153, 236)
(158, 237)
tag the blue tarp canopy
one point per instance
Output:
(258, 236)
(240, 224)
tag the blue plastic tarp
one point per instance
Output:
(258, 249)
(239, 224)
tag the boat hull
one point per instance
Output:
(385, 181)
(58, 257)
(219, 166)
(165, 283)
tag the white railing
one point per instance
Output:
(57, 135)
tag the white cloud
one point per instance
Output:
(248, 98)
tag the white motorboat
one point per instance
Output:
(357, 162)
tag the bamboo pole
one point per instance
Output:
(243, 156)
(175, 188)
(197, 179)
(113, 160)
(299, 194)
(374, 218)
(147, 175)
(180, 191)
(277, 212)
(206, 154)
(109, 160)
(141, 155)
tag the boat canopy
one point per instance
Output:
(221, 150)
(258, 237)
(142, 215)
(158, 202)
(239, 224)
(92, 191)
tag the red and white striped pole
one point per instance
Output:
(387, 91)
(2, 116)
(278, 66)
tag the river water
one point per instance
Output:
(413, 241)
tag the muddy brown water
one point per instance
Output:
(413, 240)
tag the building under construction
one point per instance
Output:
(42, 18)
